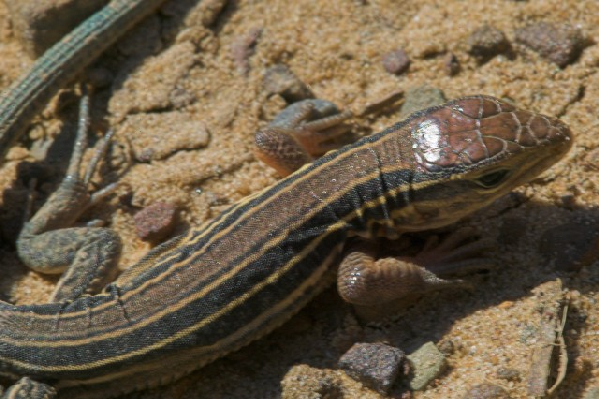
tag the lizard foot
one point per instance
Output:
(298, 134)
(48, 244)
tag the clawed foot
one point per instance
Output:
(299, 133)
(48, 244)
(366, 281)
(459, 253)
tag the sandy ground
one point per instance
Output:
(160, 87)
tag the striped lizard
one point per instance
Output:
(216, 288)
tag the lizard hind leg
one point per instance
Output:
(369, 283)
(49, 244)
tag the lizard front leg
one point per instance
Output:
(299, 133)
(307, 129)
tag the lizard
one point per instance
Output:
(213, 290)
(216, 288)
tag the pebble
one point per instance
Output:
(558, 44)
(487, 42)
(427, 364)
(375, 365)
(155, 222)
(505, 305)
(243, 48)
(396, 62)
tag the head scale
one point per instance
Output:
(472, 150)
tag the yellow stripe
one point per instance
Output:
(183, 333)
(185, 301)
(177, 306)
(224, 232)
(225, 345)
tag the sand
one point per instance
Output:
(336, 48)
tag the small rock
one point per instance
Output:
(396, 62)
(181, 97)
(155, 222)
(508, 374)
(487, 42)
(572, 245)
(451, 64)
(561, 45)
(374, 365)
(243, 48)
(427, 364)
(420, 98)
(280, 80)
(486, 391)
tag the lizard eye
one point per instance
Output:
(492, 179)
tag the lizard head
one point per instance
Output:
(470, 151)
